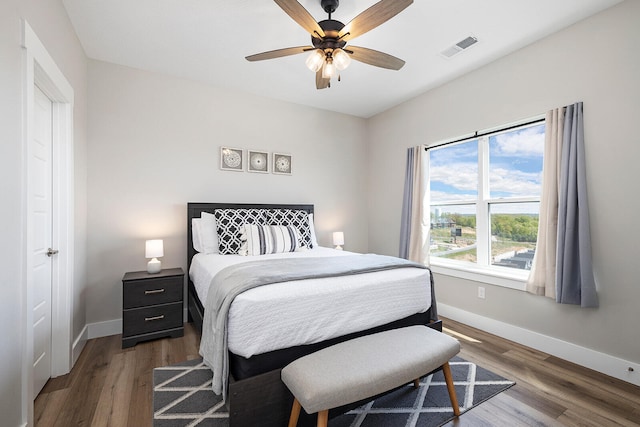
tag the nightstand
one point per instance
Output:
(152, 305)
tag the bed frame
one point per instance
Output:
(259, 397)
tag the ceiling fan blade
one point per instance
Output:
(374, 57)
(278, 53)
(376, 15)
(321, 83)
(301, 16)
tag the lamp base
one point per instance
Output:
(338, 248)
(154, 266)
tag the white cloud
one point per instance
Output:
(515, 182)
(462, 176)
(440, 197)
(525, 143)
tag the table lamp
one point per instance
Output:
(338, 239)
(154, 250)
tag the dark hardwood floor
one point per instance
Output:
(110, 386)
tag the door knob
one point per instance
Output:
(51, 252)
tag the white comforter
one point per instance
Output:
(293, 313)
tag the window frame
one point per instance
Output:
(483, 272)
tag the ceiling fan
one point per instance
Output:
(330, 53)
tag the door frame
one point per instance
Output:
(40, 69)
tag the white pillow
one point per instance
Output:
(268, 239)
(208, 233)
(195, 234)
(314, 240)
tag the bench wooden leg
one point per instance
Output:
(323, 418)
(446, 370)
(295, 413)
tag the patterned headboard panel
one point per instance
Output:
(194, 210)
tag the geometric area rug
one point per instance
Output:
(182, 397)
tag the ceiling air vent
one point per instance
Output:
(459, 47)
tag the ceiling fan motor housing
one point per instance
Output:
(331, 28)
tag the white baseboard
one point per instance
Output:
(601, 362)
(79, 344)
(104, 329)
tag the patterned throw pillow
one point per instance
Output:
(228, 223)
(297, 218)
(268, 239)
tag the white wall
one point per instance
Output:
(154, 144)
(49, 21)
(596, 61)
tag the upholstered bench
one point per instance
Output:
(367, 366)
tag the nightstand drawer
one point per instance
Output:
(147, 292)
(151, 319)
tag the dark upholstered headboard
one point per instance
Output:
(194, 210)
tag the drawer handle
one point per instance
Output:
(150, 319)
(155, 291)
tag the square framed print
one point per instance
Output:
(231, 159)
(257, 161)
(282, 164)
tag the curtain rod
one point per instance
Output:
(478, 135)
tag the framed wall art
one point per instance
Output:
(282, 164)
(257, 161)
(231, 159)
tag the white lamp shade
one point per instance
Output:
(341, 59)
(338, 238)
(315, 60)
(329, 70)
(154, 248)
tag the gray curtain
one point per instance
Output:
(562, 267)
(414, 227)
(407, 205)
(575, 283)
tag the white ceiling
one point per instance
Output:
(207, 40)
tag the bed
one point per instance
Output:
(256, 395)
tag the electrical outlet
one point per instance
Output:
(480, 292)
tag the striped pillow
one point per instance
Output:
(268, 239)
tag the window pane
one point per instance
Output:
(514, 231)
(453, 232)
(453, 172)
(515, 162)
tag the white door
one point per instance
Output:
(41, 206)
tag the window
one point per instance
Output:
(485, 200)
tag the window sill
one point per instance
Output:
(507, 279)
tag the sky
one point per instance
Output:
(515, 166)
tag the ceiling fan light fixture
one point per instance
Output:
(315, 61)
(341, 59)
(329, 70)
